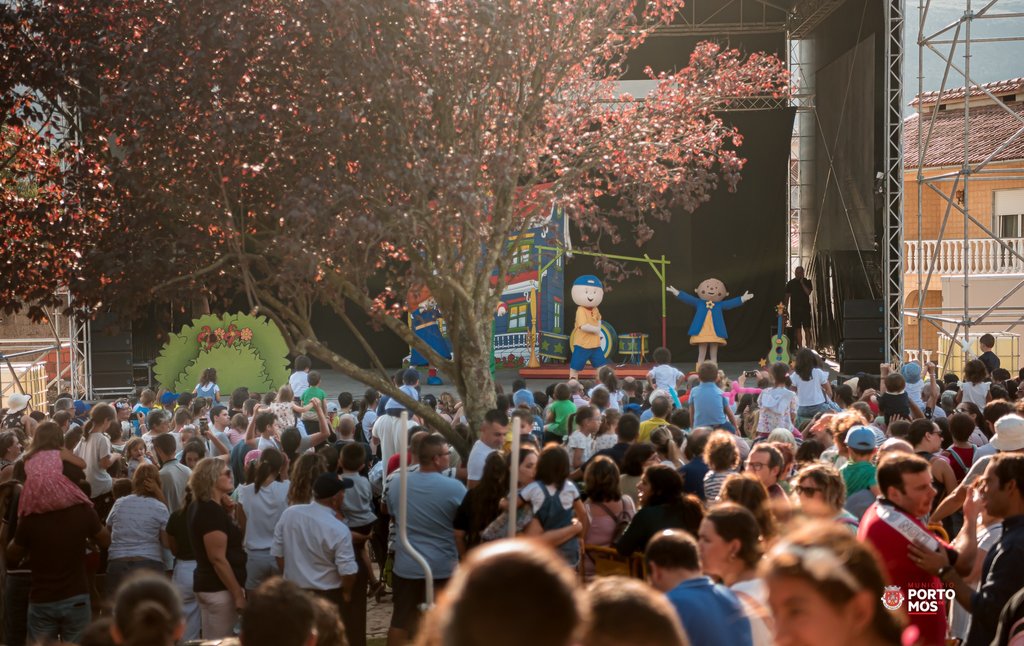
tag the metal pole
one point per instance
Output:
(403, 518)
(967, 171)
(921, 293)
(513, 479)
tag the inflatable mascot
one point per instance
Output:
(708, 328)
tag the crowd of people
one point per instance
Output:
(776, 508)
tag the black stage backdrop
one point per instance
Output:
(738, 237)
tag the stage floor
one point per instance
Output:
(334, 382)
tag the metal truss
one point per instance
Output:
(716, 18)
(954, 45)
(67, 333)
(892, 252)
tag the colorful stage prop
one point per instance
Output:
(634, 347)
(707, 331)
(246, 351)
(780, 342)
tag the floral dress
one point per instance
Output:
(46, 487)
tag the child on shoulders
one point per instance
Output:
(707, 402)
(46, 487)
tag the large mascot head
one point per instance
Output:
(587, 291)
(712, 290)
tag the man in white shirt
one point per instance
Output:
(492, 436)
(314, 548)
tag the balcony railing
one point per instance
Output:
(981, 256)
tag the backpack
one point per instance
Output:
(956, 456)
(621, 520)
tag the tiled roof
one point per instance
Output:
(991, 126)
(1009, 86)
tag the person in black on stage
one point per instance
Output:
(798, 297)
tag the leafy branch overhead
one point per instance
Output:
(342, 152)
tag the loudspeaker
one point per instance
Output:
(864, 349)
(852, 367)
(110, 351)
(863, 309)
(872, 328)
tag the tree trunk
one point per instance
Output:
(471, 341)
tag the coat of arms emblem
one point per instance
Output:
(892, 597)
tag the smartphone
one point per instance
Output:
(204, 425)
(750, 373)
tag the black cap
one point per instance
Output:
(327, 485)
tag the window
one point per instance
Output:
(517, 317)
(521, 254)
(557, 310)
(1009, 220)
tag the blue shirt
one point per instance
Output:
(710, 613)
(394, 404)
(433, 501)
(693, 476)
(708, 403)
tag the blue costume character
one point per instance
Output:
(708, 328)
(587, 293)
(426, 324)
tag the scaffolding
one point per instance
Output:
(22, 357)
(956, 46)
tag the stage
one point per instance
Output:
(334, 382)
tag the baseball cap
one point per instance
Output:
(81, 407)
(1009, 433)
(328, 485)
(860, 438)
(588, 280)
(333, 407)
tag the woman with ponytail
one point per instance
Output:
(147, 612)
(259, 507)
(95, 449)
(137, 523)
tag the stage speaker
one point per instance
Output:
(110, 348)
(872, 328)
(863, 346)
(851, 367)
(863, 309)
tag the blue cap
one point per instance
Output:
(522, 397)
(911, 372)
(589, 281)
(81, 407)
(860, 438)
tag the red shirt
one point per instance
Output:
(892, 547)
(966, 456)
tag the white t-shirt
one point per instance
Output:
(368, 419)
(262, 511)
(606, 441)
(533, 494)
(477, 458)
(975, 393)
(664, 376)
(93, 449)
(299, 382)
(810, 393)
(580, 441)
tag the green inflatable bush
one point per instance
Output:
(245, 350)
